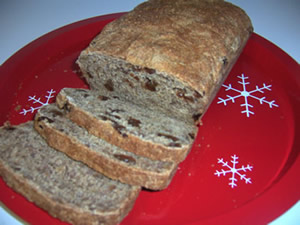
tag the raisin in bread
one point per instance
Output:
(67, 189)
(131, 127)
(171, 55)
(112, 161)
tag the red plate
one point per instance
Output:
(244, 164)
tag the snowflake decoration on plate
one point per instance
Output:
(234, 171)
(246, 95)
(39, 102)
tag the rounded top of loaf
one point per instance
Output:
(192, 40)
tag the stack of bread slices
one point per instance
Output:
(152, 75)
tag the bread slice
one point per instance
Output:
(112, 161)
(168, 55)
(141, 131)
(67, 189)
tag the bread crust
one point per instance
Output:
(196, 41)
(109, 167)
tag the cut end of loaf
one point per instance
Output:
(143, 86)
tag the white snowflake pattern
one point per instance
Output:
(247, 94)
(234, 171)
(38, 101)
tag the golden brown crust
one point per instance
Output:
(71, 214)
(195, 41)
(130, 143)
(110, 168)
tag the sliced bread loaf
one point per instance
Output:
(112, 161)
(67, 189)
(136, 129)
(171, 55)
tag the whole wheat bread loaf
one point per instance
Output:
(153, 74)
(67, 189)
(168, 55)
(131, 127)
(112, 161)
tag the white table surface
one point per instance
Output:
(23, 21)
